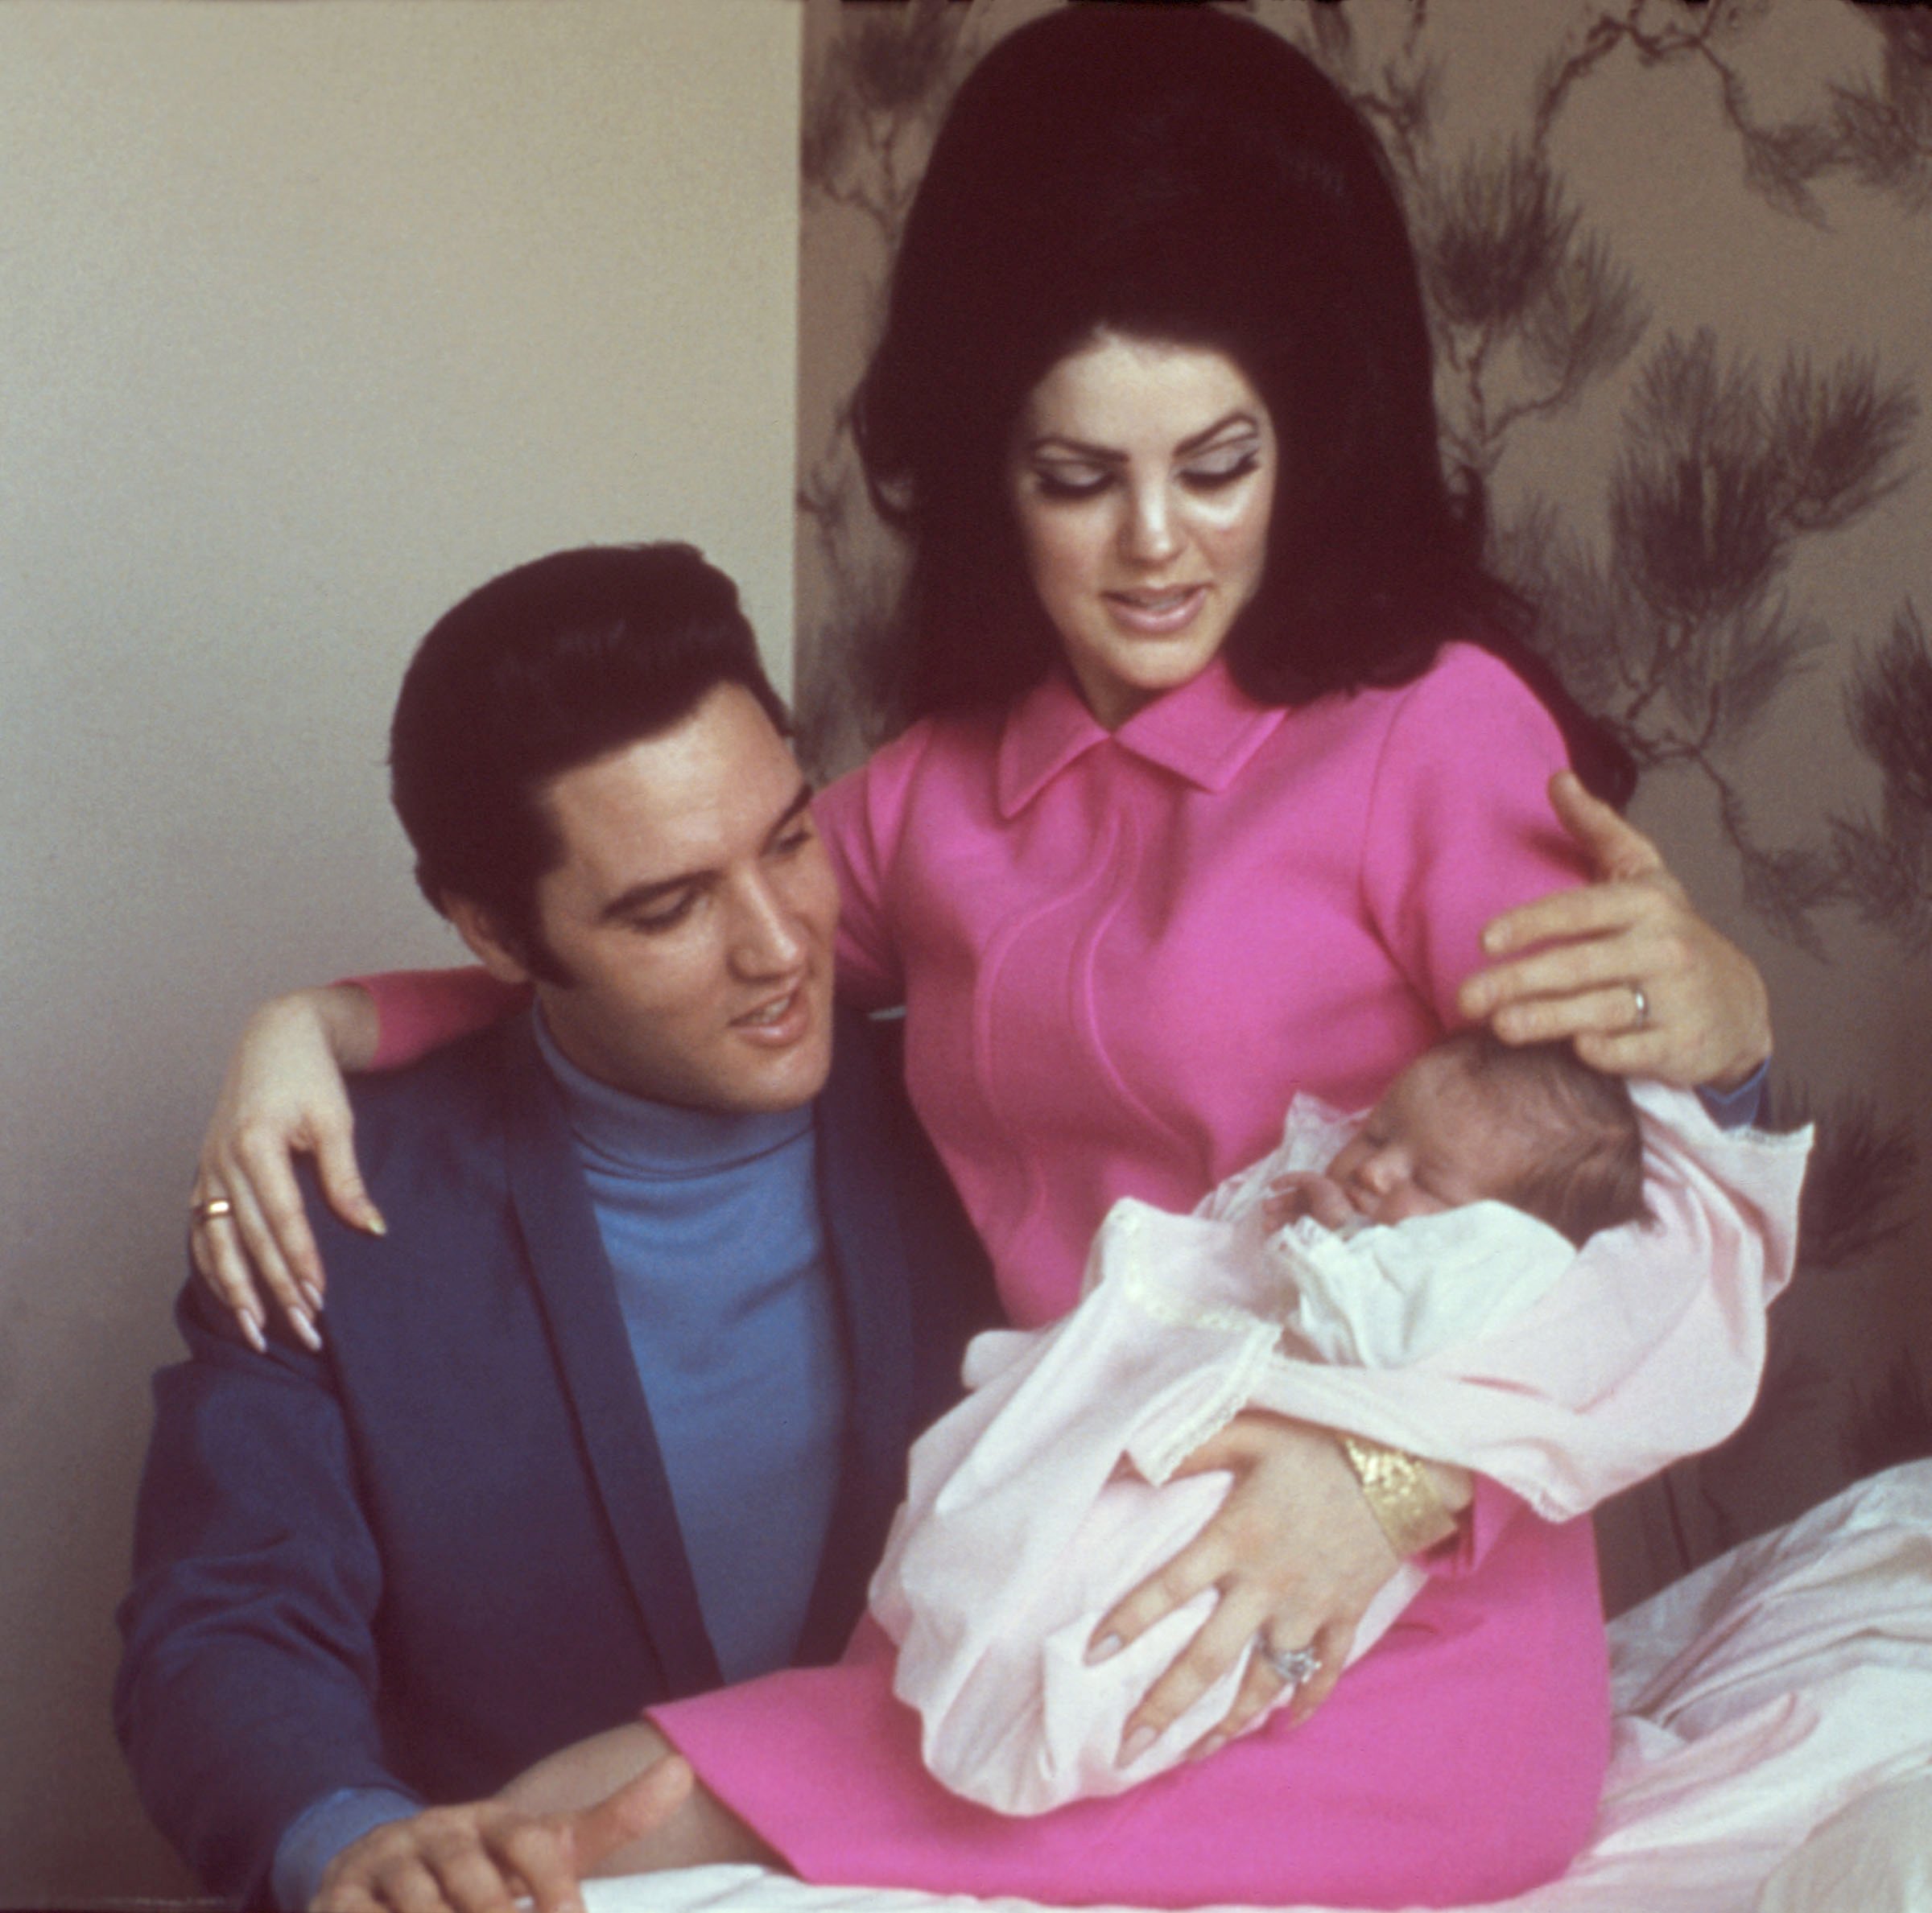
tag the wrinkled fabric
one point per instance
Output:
(1774, 1744)
(1045, 1497)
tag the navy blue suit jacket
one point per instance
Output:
(446, 1546)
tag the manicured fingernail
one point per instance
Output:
(374, 1223)
(312, 1295)
(1103, 1649)
(1212, 1744)
(299, 1319)
(1135, 1744)
(252, 1329)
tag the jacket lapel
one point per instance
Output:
(866, 1240)
(578, 1296)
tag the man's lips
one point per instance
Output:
(779, 1020)
(1157, 613)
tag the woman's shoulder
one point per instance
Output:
(1466, 677)
(1467, 707)
(931, 783)
(1465, 714)
(944, 747)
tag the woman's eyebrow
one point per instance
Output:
(1105, 454)
(1215, 431)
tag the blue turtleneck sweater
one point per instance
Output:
(712, 1225)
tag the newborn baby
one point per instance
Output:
(1455, 1205)
(1473, 1122)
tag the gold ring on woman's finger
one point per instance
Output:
(1293, 1666)
(1639, 1005)
(213, 1207)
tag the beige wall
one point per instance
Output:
(315, 317)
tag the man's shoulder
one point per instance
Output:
(440, 1126)
(466, 1086)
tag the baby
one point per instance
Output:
(1471, 1122)
(1473, 1119)
(1455, 1205)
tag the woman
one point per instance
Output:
(1216, 784)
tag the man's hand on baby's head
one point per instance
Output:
(1307, 1192)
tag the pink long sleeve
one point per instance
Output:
(418, 1011)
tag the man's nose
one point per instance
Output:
(767, 937)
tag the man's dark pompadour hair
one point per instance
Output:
(552, 665)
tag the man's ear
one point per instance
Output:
(478, 928)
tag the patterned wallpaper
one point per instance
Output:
(1678, 260)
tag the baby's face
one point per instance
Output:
(1438, 1138)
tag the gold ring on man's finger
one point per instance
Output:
(1639, 1005)
(212, 1210)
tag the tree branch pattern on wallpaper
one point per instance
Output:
(1681, 619)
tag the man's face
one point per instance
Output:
(693, 910)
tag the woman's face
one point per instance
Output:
(1142, 475)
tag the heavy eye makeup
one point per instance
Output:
(1216, 474)
(1071, 482)
(1204, 473)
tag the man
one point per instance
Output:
(618, 1406)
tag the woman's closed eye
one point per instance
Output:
(1216, 474)
(1080, 481)
(1205, 476)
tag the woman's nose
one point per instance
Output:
(1150, 535)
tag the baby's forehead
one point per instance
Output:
(1447, 1085)
(1447, 1071)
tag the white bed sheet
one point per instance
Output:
(1773, 1748)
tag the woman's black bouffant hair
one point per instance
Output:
(1174, 174)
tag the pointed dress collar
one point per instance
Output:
(1204, 731)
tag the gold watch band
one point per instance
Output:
(1400, 1495)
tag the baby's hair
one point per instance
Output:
(1589, 1151)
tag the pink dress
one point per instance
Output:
(1121, 953)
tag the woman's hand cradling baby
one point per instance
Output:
(1293, 1549)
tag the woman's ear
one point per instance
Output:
(478, 928)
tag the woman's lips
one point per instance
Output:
(1157, 614)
